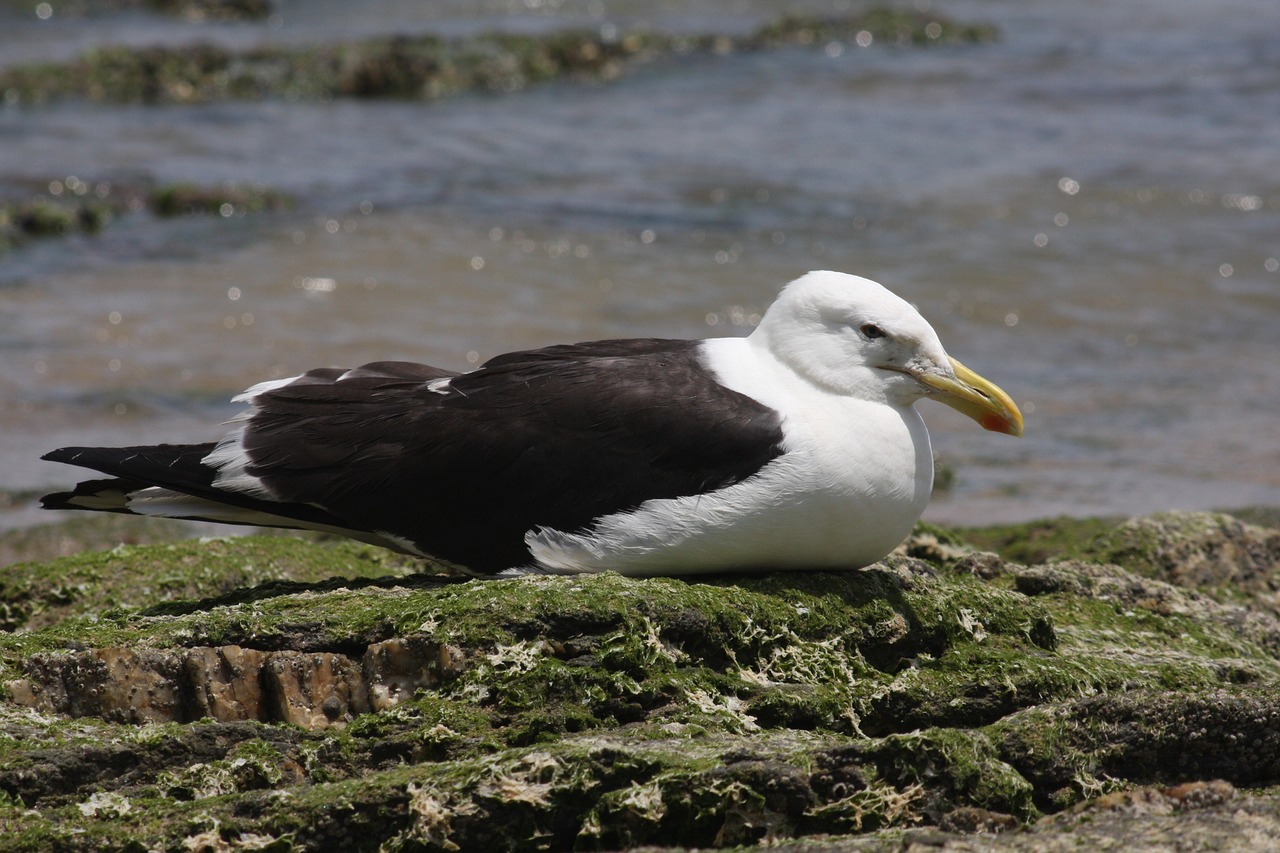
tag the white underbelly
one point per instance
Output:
(845, 493)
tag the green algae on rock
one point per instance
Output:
(187, 199)
(1037, 541)
(36, 595)
(90, 532)
(963, 692)
(79, 207)
(1200, 550)
(430, 67)
(45, 217)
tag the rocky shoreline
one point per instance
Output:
(274, 693)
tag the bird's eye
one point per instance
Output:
(871, 331)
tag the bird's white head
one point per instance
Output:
(854, 337)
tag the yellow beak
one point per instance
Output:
(979, 398)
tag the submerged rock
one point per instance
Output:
(187, 199)
(917, 701)
(430, 67)
(60, 209)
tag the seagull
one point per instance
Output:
(795, 447)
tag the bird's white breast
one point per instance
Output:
(854, 477)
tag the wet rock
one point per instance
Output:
(75, 206)
(43, 217)
(121, 685)
(188, 199)
(1106, 582)
(225, 683)
(1035, 542)
(1198, 550)
(969, 819)
(934, 544)
(92, 532)
(948, 698)
(1161, 801)
(983, 564)
(1202, 815)
(1144, 737)
(430, 67)
(314, 690)
(125, 578)
(398, 668)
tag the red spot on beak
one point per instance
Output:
(994, 423)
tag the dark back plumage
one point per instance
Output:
(463, 465)
(555, 437)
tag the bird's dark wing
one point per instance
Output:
(179, 468)
(182, 468)
(463, 466)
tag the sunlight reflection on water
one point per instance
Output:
(1081, 220)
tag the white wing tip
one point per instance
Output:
(262, 388)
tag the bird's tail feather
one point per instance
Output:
(172, 481)
(175, 466)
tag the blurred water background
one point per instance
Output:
(1088, 210)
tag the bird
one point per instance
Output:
(795, 447)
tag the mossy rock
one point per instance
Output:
(1037, 541)
(429, 67)
(46, 214)
(84, 532)
(1201, 550)
(49, 217)
(286, 694)
(187, 199)
(35, 595)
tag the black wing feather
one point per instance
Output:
(555, 437)
(178, 467)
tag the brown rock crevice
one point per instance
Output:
(312, 689)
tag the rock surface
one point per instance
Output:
(273, 693)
